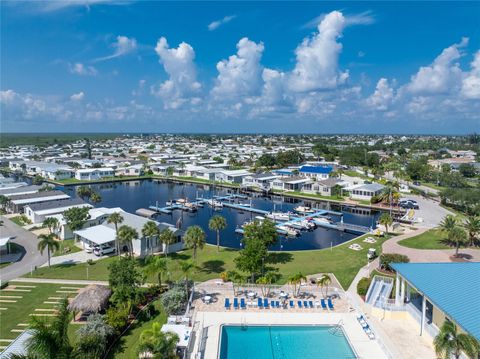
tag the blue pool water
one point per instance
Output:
(284, 342)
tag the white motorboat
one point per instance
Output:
(215, 204)
(279, 216)
(291, 232)
(323, 220)
(303, 209)
(307, 224)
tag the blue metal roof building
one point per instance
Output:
(453, 288)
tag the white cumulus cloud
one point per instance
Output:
(77, 96)
(240, 74)
(471, 83)
(182, 85)
(317, 57)
(442, 76)
(382, 97)
(83, 70)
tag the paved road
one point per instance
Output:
(429, 210)
(31, 257)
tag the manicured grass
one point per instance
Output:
(18, 312)
(427, 240)
(21, 220)
(126, 347)
(3, 265)
(340, 260)
(64, 245)
(433, 185)
(104, 179)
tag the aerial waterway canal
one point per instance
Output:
(132, 195)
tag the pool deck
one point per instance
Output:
(211, 322)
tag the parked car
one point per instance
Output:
(417, 183)
(408, 205)
(88, 248)
(103, 250)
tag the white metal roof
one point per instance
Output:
(97, 234)
(4, 241)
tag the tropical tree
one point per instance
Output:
(217, 223)
(48, 242)
(324, 281)
(450, 342)
(156, 266)
(237, 280)
(76, 217)
(151, 231)
(92, 338)
(167, 237)
(154, 343)
(84, 191)
(386, 220)
(52, 223)
(186, 267)
(389, 192)
(95, 197)
(251, 258)
(194, 238)
(125, 236)
(472, 225)
(265, 281)
(456, 237)
(296, 280)
(4, 201)
(116, 218)
(50, 338)
(124, 278)
(448, 223)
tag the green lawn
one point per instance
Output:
(433, 186)
(427, 240)
(19, 311)
(341, 261)
(126, 346)
(68, 181)
(21, 220)
(67, 246)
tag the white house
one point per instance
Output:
(263, 181)
(134, 170)
(365, 192)
(315, 172)
(231, 176)
(37, 212)
(92, 174)
(104, 233)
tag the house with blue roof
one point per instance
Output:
(316, 172)
(430, 293)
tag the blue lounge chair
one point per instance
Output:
(299, 303)
(259, 303)
(265, 302)
(310, 304)
(227, 303)
(235, 303)
(322, 302)
(330, 304)
(272, 304)
(292, 305)
(242, 303)
(305, 304)
(277, 304)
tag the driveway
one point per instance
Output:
(73, 258)
(30, 258)
(429, 210)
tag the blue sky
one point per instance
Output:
(354, 67)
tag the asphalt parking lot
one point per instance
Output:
(429, 210)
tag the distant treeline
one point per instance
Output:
(47, 139)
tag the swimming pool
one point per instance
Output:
(284, 342)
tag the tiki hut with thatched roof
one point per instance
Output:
(91, 299)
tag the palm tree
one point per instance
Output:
(52, 223)
(456, 237)
(126, 235)
(448, 223)
(186, 267)
(154, 343)
(386, 220)
(4, 201)
(116, 218)
(296, 280)
(156, 266)
(324, 281)
(50, 338)
(194, 238)
(265, 282)
(95, 197)
(47, 241)
(167, 237)
(150, 230)
(217, 223)
(472, 225)
(449, 342)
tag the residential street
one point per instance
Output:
(30, 259)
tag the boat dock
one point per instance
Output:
(245, 208)
(174, 206)
(344, 227)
